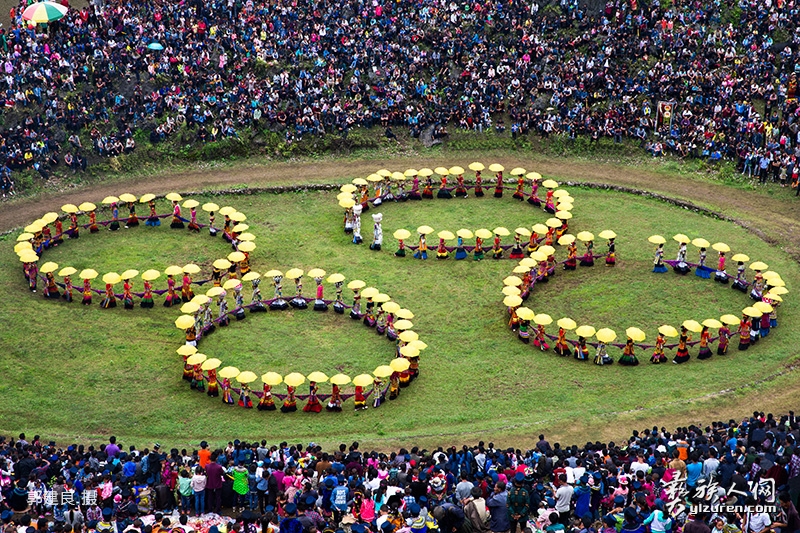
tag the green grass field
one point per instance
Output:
(70, 371)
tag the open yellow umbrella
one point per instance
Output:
(246, 237)
(764, 307)
(563, 215)
(360, 181)
(369, 292)
(240, 228)
(196, 359)
(403, 324)
(213, 292)
(231, 284)
(408, 336)
(88, 273)
(228, 372)
(374, 178)
(150, 275)
(585, 331)
(129, 274)
(731, 320)
(670, 331)
(465, 233)
(549, 184)
(348, 188)
(770, 274)
(404, 313)
(700, 242)
(524, 313)
(456, 171)
(147, 198)
(409, 351)
(442, 171)
(476, 166)
(607, 234)
(184, 322)
(210, 207)
(425, 172)
(67, 271)
(191, 268)
(189, 308)
(383, 371)
(759, 265)
(543, 319)
(656, 239)
(173, 270)
(226, 210)
(111, 278)
(780, 290)
(496, 167)
(69, 208)
(546, 250)
(339, 379)
(381, 298)
(513, 281)
(399, 176)
(222, 264)
(418, 344)
(24, 237)
(211, 364)
(108, 200)
(127, 197)
(512, 301)
(186, 350)
(566, 240)
(362, 380)
(401, 234)
(712, 323)
(681, 238)
(174, 197)
(272, 378)
(335, 278)
(317, 377)
(23, 245)
(525, 232)
(585, 236)
(235, 257)
(50, 217)
(294, 379)
(509, 290)
(399, 364)
(48, 267)
(518, 171)
(692, 325)
(566, 323)
(636, 334)
(521, 269)
(483, 233)
(446, 235)
(721, 247)
(541, 228)
(87, 206)
(533, 176)
(538, 256)
(188, 204)
(356, 284)
(346, 203)
(740, 258)
(528, 262)
(606, 335)
(769, 296)
(501, 231)
(424, 230)
(316, 273)
(752, 312)
(28, 256)
(200, 299)
(238, 217)
(391, 307)
(246, 377)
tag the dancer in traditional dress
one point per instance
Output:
(477, 253)
(658, 356)
(561, 230)
(357, 239)
(114, 225)
(186, 288)
(338, 302)
(461, 252)
(588, 258)
(110, 300)
(73, 232)
(198, 379)
(394, 386)
(67, 295)
(290, 402)
(523, 332)
(278, 303)
(87, 292)
(177, 221)
(658, 262)
(298, 302)
(171, 298)
(380, 321)
(153, 219)
(724, 339)
(541, 338)
(188, 370)
(364, 198)
(369, 313)
(611, 254)
(497, 249)
(422, 249)
(478, 184)
(498, 187)
(602, 358)
(244, 396)
(581, 350)
(208, 318)
(549, 237)
(238, 305)
(744, 333)
(319, 301)
(193, 225)
(461, 191)
(355, 309)
(740, 283)
(516, 250)
(682, 354)
(378, 392)
(93, 222)
(628, 357)
(58, 238)
(127, 294)
(360, 400)
(533, 198)
(427, 191)
(313, 404)
(377, 232)
(443, 191)
(348, 220)
(549, 202)
(572, 257)
(681, 266)
(132, 220)
(702, 271)
(222, 317)
(755, 332)
(441, 250)
(227, 395)
(267, 402)
(213, 385)
(562, 347)
(705, 338)
(414, 194)
(519, 192)
(50, 289)
(533, 242)
(757, 290)
(391, 332)
(335, 400)
(226, 228)
(721, 275)
(256, 302)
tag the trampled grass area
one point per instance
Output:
(71, 371)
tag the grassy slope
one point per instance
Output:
(70, 371)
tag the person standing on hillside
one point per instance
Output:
(215, 477)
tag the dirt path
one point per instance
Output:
(775, 218)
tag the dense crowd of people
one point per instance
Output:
(651, 482)
(111, 69)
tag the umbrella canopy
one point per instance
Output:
(226, 210)
(424, 230)
(246, 377)
(318, 377)
(294, 273)
(238, 228)
(500, 230)
(456, 171)
(401, 234)
(550, 184)
(446, 235)
(442, 171)
(418, 344)
(222, 264)
(146, 198)
(213, 292)
(585, 236)
(210, 207)
(391, 307)
(174, 197)
(712, 323)
(565, 215)
(669, 331)
(44, 12)
(508, 290)
(408, 336)
(155, 46)
(48, 267)
(23, 245)
(127, 197)
(607, 234)
(404, 313)
(50, 217)
(67, 271)
(316, 273)
(211, 364)
(184, 322)
(336, 278)
(359, 181)
(514, 281)
(150, 275)
(546, 250)
(721, 247)
(759, 265)
(111, 278)
(24, 237)
(538, 256)
(778, 289)
(656, 239)
(110, 200)
(543, 319)
(272, 378)
(518, 171)
(606, 335)
(731, 320)
(541, 228)
(700, 242)
(566, 323)
(476, 166)
(200, 299)
(752, 312)
(693, 325)
(129, 274)
(529, 262)
(188, 204)
(585, 331)
(369, 292)
(228, 372)
(400, 364)
(87, 206)
(383, 371)
(425, 172)
(173, 270)
(186, 350)
(88, 273)
(513, 300)
(27, 256)
(403, 324)
(190, 307)
(770, 274)
(521, 269)
(339, 379)
(524, 313)
(348, 188)
(764, 307)
(294, 379)
(680, 237)
(346, 203)
(525, 232)
(235, 257)
(378, 176)
(231, 284)
(483, 233)
(196, 359)
(69, 208)
(465, 233)
(191, 268)
(740, 257)
(496, 167)
(356, 284)
(565, 240)
(362, 380)
(635, 333)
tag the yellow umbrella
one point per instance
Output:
(238, 217)
(566, 323)
(425, 172)
(408, 336)
(316, 273)
(399, 176)
(24, 237)
(129, 274)
(483, 233)
(441, 171)
(476, 166)
(384, 173)
(88, 273)
(294, 379)
(700, 242)
(752, 312)
(770, 296)
(369, 292)
(779, 289)
(110, 200)
(346, 203)
(770, 274)
(731, 320)
(401, 234)
(538, 256)
(399, 364)
(656, 239)
(87, 206)
(191, 268)
(33, 228)
(235, 257)
(409, 351)
(362, 380)
(339, 379)
(28, 257)
(509, 290)
(607, 234)
(348, 188)
(146, 198)
(540, 228)
(563, 215)
(680, 237)
(550, 184)
(111, 278)
(521, 269)
(228, 372)
(529, 262)
(692, 325)
(446, 235)
(606, 335)
(222, 264)
(377, 177)
(188, 204)
(174, 197)
(240, 228)
(127, 197)
(67, 271)
(546, 250)
(500, 230)
(404, 324)
(317, 377)
(211, 364)
(465, 233)
(381, 298)
(231, 284)
(585, 331)
(533, 176)
(418, 344)
(456, 171)
(272, 378)
(740, 258)
(50, 217)
(150, 275)
(247, 237)
(246, 377)
(512, 300)
(210, 207)
(424, 230)
(184, 322)
(552, 223)
(200, 299)
(496, 167)
(525, 232)
(518, 171)
(759, 265)
(560, 193)
(48, 267)
(213, 292)
(566, 240)
(513, 281)
(226, 210)
(196, 359)
(669, 331)
(524, 313)
(335, 278)
(383, 371)
(391, 307)
(69, 208)
(410, 173)
(359, 181)
(23, 245)
(543, 319)
(635, 334)
(173, 270)
(190, 307)
(294, 273)
(712, 323)
(764, 307)
(777, 283)
(721, 247)
(405, 314)
(585, 236)
(186, 350)
(356, 284)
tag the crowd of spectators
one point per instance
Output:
(651, 482)
(541, 67)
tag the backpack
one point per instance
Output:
(145, 501)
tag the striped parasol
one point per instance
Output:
(44, 12)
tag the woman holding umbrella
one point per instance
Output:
(628, 355)
(110, 299)
(658, 261)
(588, 239)
(682, 353)
(87, 275)
(67, 272)
(562, 346)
